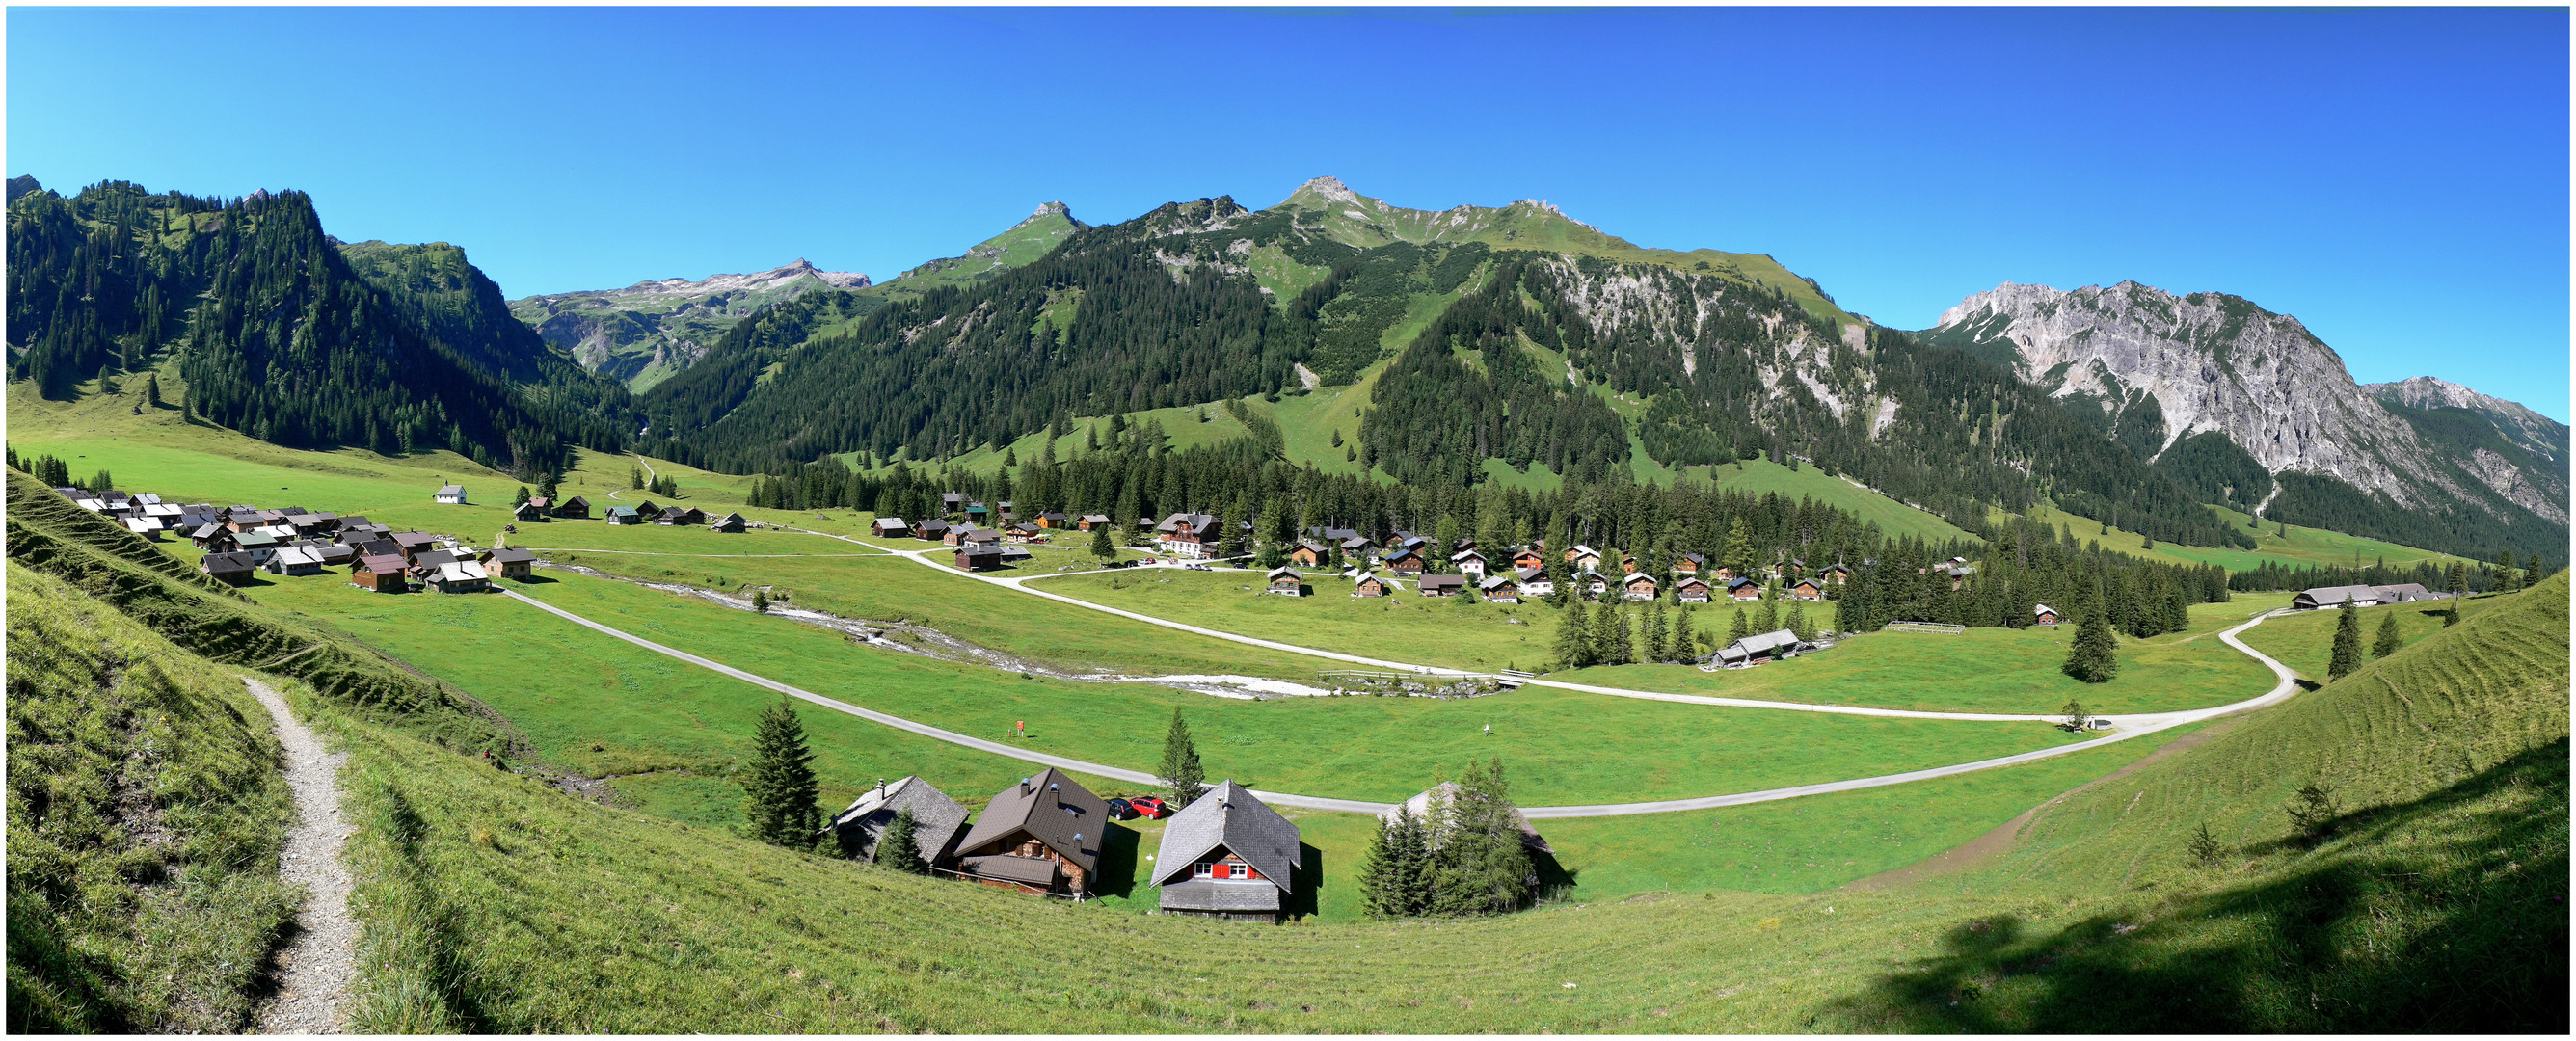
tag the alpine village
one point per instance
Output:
(1326, 616)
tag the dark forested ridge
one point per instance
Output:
(285, 334)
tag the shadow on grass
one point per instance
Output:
(2446, 913)
(1305, 883)
(1117, 862)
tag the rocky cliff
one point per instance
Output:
(2538, 434)
(2161, 367)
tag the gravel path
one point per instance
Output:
(319, 963)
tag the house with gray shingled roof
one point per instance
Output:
(938, 820)
(1227, 855)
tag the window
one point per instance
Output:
(1202, 869)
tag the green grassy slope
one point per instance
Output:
(1016, 246)
(146, 813)
(2432, 896)
(2302, 547)
(2305, 641)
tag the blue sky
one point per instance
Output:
(2398, 179)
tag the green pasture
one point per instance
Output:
(2302, 547)
(2305, 640)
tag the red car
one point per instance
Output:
(1148, 807)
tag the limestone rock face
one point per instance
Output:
(2212, 361)
(647, 331)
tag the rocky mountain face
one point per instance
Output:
(2156, 368)
(2540, 435)
(643, 333)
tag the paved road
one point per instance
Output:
(2142, 726)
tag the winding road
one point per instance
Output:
(2124, 727)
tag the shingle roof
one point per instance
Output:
(1207, 894)
(1228, 816)
(451, 489)
(1051, 807)
(1035, 871)
(510, 555)
(937, 818)
(220, 562)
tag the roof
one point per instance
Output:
(381, 564)
(938, 818)
(621, 511)
(434, 557)
(1050, 807)
(1278, 573)
(979, 551)
(217, 562)
(1581, 550)
(1431, 582)
(574, 501)
(293, 555)
(1196, 521)
(461, 571)
(451, 489)
(1420, 807)
(2330, 595)
(1636, 578)
(1738, 583)
(1033, 871)
(2043, 609)
(1497, 582)
(1465, 554)
(1229, 816)
(1760, 643)
(1095, 518)
(1208, 894)
(510, 555)
(890, 523)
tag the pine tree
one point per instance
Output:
(900, 848)
(1767, 618)
(522, 498)
(546, 486)
(2459, 589)
(1658, 634)
(759, 600)
(1102, 548)
(2094, 658)
(635, 478)
(1798, 621)
(1181, 770)
(1479, 865)
(2388, 640)
(152, 394)
(1392, 877)
(779, 791)
(1685, 634)
(2347, 642)
(1607, 634)
(1738, 555)
(2204, 847)
(1739, 628)
(1573, 626)
(2509, 578)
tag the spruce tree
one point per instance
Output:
(2388, 640)
(1767, 618)
(2347, 641)
(1392, 875)
(900, 848)
(152, 397)
(1658, 634)
(1739, 628)
(1573, 627)
(759, 600)
(1181, 770)
(1608, 632)
(2510, 578)
(2459, 589)
(1798, 621)
(780, 789)
(1685, 638)
(522, 498)
(2094, 658)
(1479, 865)
(1102, 549)
(546, 486)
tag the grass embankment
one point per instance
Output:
(2300, 547)
(2430, 896)
(146, 812)
(2305, 641)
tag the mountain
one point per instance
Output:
(1025, 241)
(2543, 437)
(1509, 336)
(2257, 412)
(643, 333)
(23, 185)
(287, 334)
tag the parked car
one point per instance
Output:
(1149, 807)
(1119, 810)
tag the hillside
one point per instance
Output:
(286, 333)
(2255, 412)
(1017, 246)
(643, 333)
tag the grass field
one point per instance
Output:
(2302, 547)
(2305, 641)
(1987, 670)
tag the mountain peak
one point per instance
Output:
(1330, 188)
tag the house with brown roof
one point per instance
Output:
(1441, 585)
(383, 574)
(1689, 564)
(1363, 583)
(1692, 589)
(1187, 535)
(933, 529)
(511, 563)
(527, 512)
(1806, 589)
(1227, 855)
(575, 508)
(1834, 574)
(1309, 553)
(1042, 835)
(1051, 519)
(229, 568)
(1638, 586)
(979, 558)
(731, 522)
(1526, 559)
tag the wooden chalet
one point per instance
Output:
(458, 576)
(1051, 519)
(622, 514)
(1468, 562)
(1042, 835)
(1959, 575)
(1689, 564)
(1535, 583)
(1692, 589)
(333, 554)
(1591, 585)
(1583, 557)
(979, 557)
(2044, 615)
(977, 513)
(1024, 532)
(1364, 583)
(1286, 581)
(1778, 643)
(518, 565)
(680, 516)
(647, 509)
(431, 558)
(1402, 538)
(575, 508)
(951, 502)
(1308, 553)
(1806, 589)
(1403, 561)
(1833, 574)
(1227, 855)
(1441, 585)
(980, 537)
(295, 560)
(1638, 586)
(732, 522)
(889, 528)
(528, 512)
(1092, 521)
(1501, 589)
(938, 821)
(1190, 535)
(259, 544)
(148, 527)
(1527, 559)
(932, 529)
(1743, 589)
(228, 568)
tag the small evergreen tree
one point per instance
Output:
(2204, 847)
(2388, 640)
(1658, 634)
(1103, 548)
(1394, 881)
(2075, 715)
(546, 486)
(1685, 633)
(152, 397)
(2094, 658)
(522, 498)
(2459, 589)
(635, 477)
(1767, 617)
(2347, 641)
(900, 848)
(1798, 621)
(779, 791)
(759, 600)
(1479, 865)
(1739, 628)
(1608, 632)
(1573, 629)
(1181, 770)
